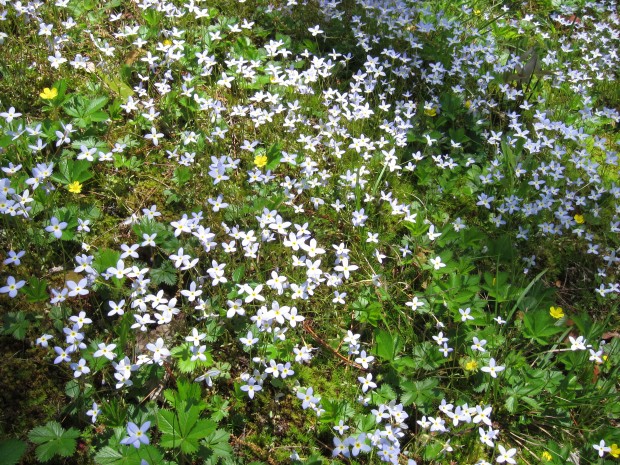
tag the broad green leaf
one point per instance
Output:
(95, 105)
(540, 326)
(11, 450)
(110, 456)
(36, 290)
(16, 324)
(217, 442)
(104, 259)
(387, 346)
(419, 392)
(53, 440)
(165, 274)
(238, 273)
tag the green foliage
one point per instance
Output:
(464, 155)
(539, 326)
(52, 439)
(182, 427)
(12, 450)
(86, 111)
(36, 290)
(70, 171)
(16, 324)
(164, 274)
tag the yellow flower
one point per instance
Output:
(477, 12)
(168, 42)
(472, 365)
(556, 312)
(579, 219)
(615, 451)
(430, 112)
(468, 104)
(260, 160)
(75, 187)
(49, 94)
(547, 457)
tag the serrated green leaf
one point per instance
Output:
(53, 440)
(184, 359)
(217, 442)
(238, 274)
(419, 392)
(104, 259)
(15, 323)
(11, 450)
(182, 429)
(36, 290)
(72, 388)
(95, 105)
(387, 345)
(165, 274)
(110, 456)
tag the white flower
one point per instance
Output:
(505, 455)
(601, 448)
(577, 344)
(437, 263)
(493, 369)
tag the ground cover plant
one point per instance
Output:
(312, 232)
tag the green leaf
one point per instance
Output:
(11, 450)
(165, 274)
(183, 429)
(95, 105)
(238, 274)
(217, 442)
(540, 326)
(419, 392)
(126, 456)
(36, 290)
(335, 410)
(274, 155)
(104, 259)
(53, 440)
(387, 346)
(15, 323)
(181, 175)
(432, 451)
(72, 388)
(61, 175)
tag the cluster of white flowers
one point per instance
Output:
(392, 88)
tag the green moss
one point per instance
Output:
(31, 394)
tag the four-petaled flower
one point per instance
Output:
(137, 436)
(56, 227)
(505, 455)
(493, 369)
(12, 286)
